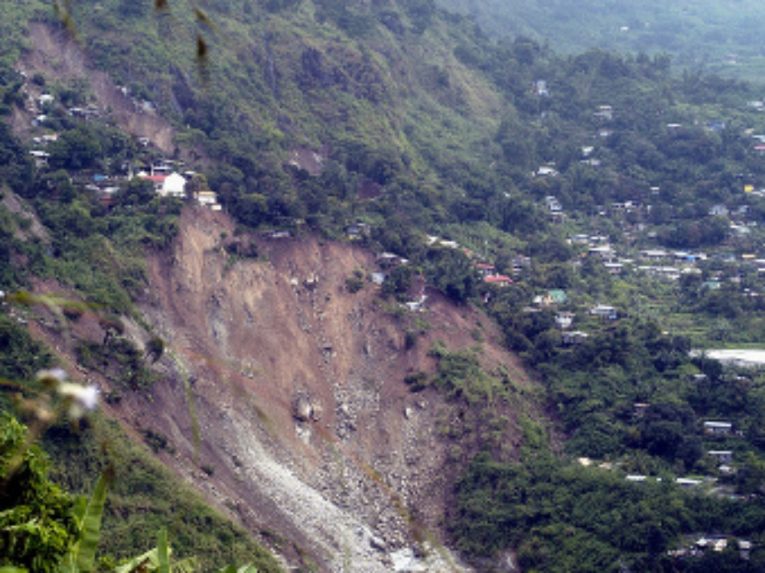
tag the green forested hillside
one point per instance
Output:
(724, 36)
(621, 204)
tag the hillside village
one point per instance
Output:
(598, 218)
(169, 178)
(633, 254)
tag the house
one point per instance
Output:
(687, 257)
(174, 185)
(602, 251)
(520, 262)
(605, 133)
(485, 269)
(654, 254)
(604, 312)
(389, 260)
(744, 549)
(378, 278)
(715, 126)
(417, 305)
(107, 194)
(208, 199)
(636, 478)
(604, 112)
(45, 99)
(558, 296)
(498, 280)
(564, 320)
(162, 167)
(551, 297)
(540, 87)
(157, 181)
(357, 231)
(574, 337)
(613, 268)
(719, 211)
(434, 241)
(84, 113)
(639, 409)
(553, 205)
(712, 428)
(671, 273)
(40, 158)
(546, 171)
(688, 483)
(721, 456)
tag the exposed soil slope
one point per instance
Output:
(54, 54)
(308, 434)
(306, 424)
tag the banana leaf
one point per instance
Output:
(90, 532)
(163, 552)
(151, 562)
(81, 557)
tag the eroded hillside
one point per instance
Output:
(308, 431)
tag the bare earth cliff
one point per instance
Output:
(282, 397)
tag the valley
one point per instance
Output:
(360, 288)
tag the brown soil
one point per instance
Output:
(297, 389)
(56, 55)
(19, 207)
(308, 160)
(262, 336)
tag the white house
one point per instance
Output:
(174, 185)
(573, 338)
(604, 312)
(721, 456)
(564, 320)
(546, 171)
(40, 158)
(718, 428)
(208, 199)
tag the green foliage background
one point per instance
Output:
(428, 126)
(706, 33)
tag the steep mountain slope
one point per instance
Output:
(300, 395)
(332, 421)
(375, 90)
(283, 397)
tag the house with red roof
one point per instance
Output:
(498, 280)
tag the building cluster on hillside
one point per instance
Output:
(168, 182)
(699, 545)
(164, 174)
